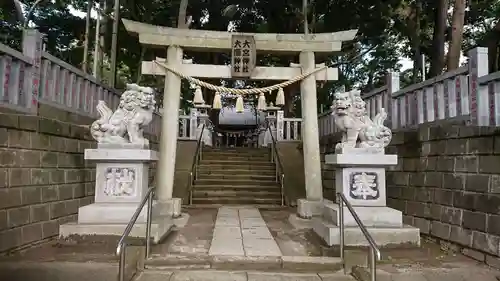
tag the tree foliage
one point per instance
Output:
(388, 31)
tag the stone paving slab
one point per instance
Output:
(260, 276)
(229, 232)
(459, 271)
(256, 233)
(227, 221)
(57, 271)
(249, 213)
(451, 273)
(226, 247)
(264, 248)
(252, 222)
(242, 232)
(216, 275)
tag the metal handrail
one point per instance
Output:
(374, 249)
(275, 158)
(194, 171)
(120, 248)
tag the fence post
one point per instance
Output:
(280, 123)
(193, 123)
(392, 81)
(32, 48)
(478, 96)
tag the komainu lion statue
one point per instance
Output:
(358, 130)
(127, 123)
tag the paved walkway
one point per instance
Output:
(241, 231)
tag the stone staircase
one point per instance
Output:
(240, 176)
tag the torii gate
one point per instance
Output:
(204, 40)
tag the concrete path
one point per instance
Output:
(241, 231)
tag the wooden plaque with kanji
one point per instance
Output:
(243, 56)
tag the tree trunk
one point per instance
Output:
(457, 34)
(104, 37)
(181, 20)
(415, 41)
(438, 38)
(87, 34)
(493, 48)
(139, 68)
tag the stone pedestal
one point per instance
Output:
(122, 181)
(360, 177)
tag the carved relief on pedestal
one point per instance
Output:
(364, 186)
(120, 182)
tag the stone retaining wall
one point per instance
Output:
(447, 183)
(44, 178)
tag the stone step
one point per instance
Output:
(217, 206)
(237, 200)
(236, 149)
(237, 162)
(264, 156)
(208, 170)
(233, 182)
(302, 264)
(236, 157)
(236, 193)
(236, 176)
(58, 270)
(236, 187)
(232, 166)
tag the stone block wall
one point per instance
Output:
(327, 146)
(447, 183)
(292, 160)
(43, 177)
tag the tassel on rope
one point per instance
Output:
(261, 102)
(239, 104)
(280, 97)
(217, 104)
(198, 96)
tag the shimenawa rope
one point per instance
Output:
(240, 91)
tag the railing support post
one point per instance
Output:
(478, 96)
(32, 48)
(391, 107)
(373, 265)
(280, 123)
(341, 226)
(121, 267)
(148, 224)
(193, 123)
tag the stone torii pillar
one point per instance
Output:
(165, 170)
(312, 204)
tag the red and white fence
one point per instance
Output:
(288, 129)
(440, 98)
(468, 93)
(66, 87)
(35, 76)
